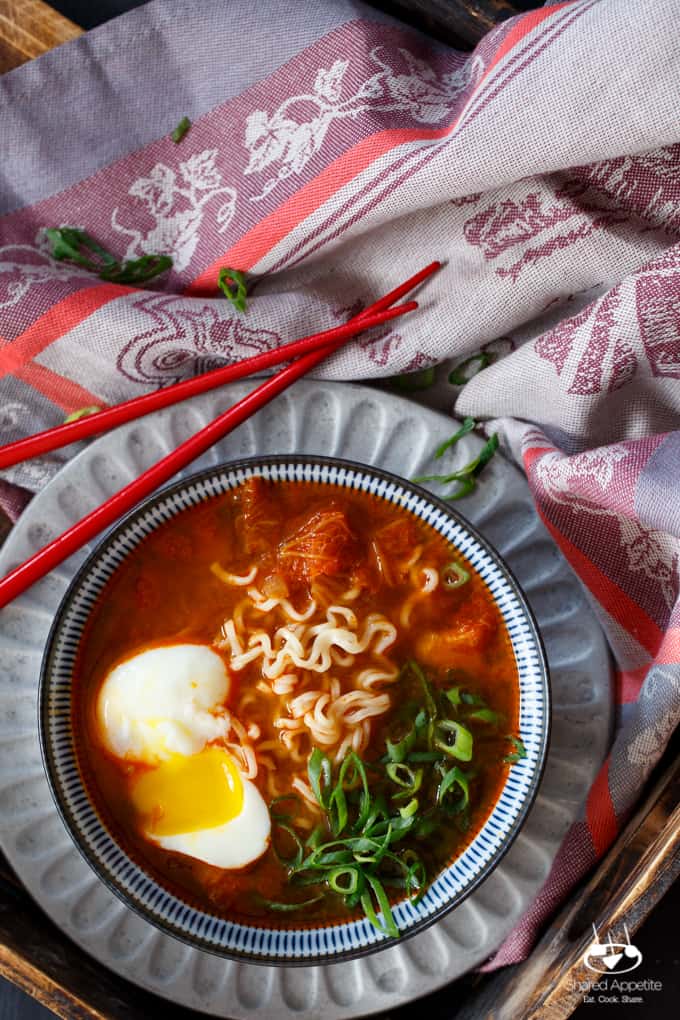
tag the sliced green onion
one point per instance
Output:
(138, 270)
(472, 699)
(75, 245)
(454, 576)
(467, 426)
(82, 412)
(344, 880)
(337, 810)
(430, 703)
(519, 752)
(465, 487)
(487, 715)
(289, 862)
(453, 695)
(467, 475)
(349, 780)
(416, 877)
(288, 907)
(400, 773)
(460, 746)
(416, 757)
(408, 810)
(181, 129)
(314, 839)
(70, 244)
(412, 382)
(460, 374)
(399, 751)
(320, 772)
(232, 283)
(388, 926)
(424, 827)
(295, 797)
(454, 777)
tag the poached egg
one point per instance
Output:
(164, 708)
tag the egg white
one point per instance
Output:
(164, 701)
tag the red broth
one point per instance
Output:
(339, 548)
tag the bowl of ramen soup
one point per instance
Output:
(293, 709)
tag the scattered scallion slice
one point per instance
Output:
(453, 739)
(232, 283)
(462, 374)
(466, 477)
(455, 777)
(412, 382)
(82, 412)
(468, 425)
(71, 244)
(288, 907)
(453, 575)
(137, 271)
(181, 129)
(486, 715)
(519, 752)
(319, 769)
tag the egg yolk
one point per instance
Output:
(188, 793)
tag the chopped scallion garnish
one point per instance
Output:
(463, 372)
(465, 476)
(82, 412)
(454, 576)
(519, 752)
(375, 814)
(232, 283)
(71, 244)
(181, 129)
(412, 382)
(468, 425)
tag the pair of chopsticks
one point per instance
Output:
(308, 352)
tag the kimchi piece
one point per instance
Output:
(324, 545)
(470, 632)
(259, 520)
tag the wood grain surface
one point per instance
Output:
(462, 23)
(29, 28)
(638, 870)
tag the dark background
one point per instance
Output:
(658, 937)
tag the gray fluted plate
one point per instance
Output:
(375, 428)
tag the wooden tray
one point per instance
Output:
(626, 886)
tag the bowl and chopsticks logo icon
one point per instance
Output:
(612, 957)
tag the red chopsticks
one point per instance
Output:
(105, 515)
(110, 417)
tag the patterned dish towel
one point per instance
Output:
(332, 152)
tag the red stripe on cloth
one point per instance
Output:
(60, 318)
(617, 603)
(525, 25)
(266, 234)
(63, 392)
(669, 653)
(600, 814)
(628, 683)
(255, 244)
(529, 456)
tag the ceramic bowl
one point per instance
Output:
(291, 943)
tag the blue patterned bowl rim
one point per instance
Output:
(257, 943)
